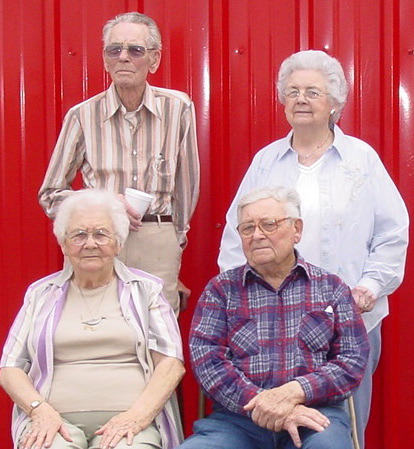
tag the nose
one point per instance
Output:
(90, 242)
(124, 55)
(301, 98)
(258, 233)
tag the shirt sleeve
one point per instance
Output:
(211, 357)
(384, 267)
(15, 350)
(164, 333)
(231, 253)
(187, 179)
(335, 379)
(67, 158)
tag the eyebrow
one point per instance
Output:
(295, 86)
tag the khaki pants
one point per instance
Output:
(155, 249)
(82, 425)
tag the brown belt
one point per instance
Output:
(157, 218)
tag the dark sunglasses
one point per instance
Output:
(134, 51)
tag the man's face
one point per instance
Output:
(273, 250)
(126, 71)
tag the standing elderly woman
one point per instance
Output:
(356, 223)
(94, 355)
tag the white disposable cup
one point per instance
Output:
(139, 200)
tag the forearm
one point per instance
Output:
(167, 374)
(220, 379)
(66, 159)
(187, 176)
(18, 386)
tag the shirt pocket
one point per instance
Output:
(242, 336)
(161, 174)
(316, 331)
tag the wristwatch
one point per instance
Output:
(35, 404)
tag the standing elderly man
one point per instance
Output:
(277, 343)
(139, 136)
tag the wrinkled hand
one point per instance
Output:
(271, 407)
(134, 217)
(46, 423)
(126, 424)
(364, 298)
(184, 293)
(305, 417)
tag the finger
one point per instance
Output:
(130, 437)
(294, 434)
(39, 440)
(250, 405)
(64, 431)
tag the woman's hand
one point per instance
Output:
(364, 298)
(305, 417)
(46, 423)
(126, 424)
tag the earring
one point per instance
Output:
(332, 111)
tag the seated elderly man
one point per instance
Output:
(277, 344)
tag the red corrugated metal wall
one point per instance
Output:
(225, 53)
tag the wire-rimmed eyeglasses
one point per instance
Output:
(310, 94)
(266, 225)
(80, 237)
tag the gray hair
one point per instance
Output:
(154, 35)
(329, 67)
(83, 200)
(288, 197)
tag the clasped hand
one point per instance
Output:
(364, 298)
(279, 408)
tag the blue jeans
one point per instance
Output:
(227, 430)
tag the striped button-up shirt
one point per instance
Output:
(246, 336)
(153, 149)
(29, 345)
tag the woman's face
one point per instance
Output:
(307, 101)
(97, 253)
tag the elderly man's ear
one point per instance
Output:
(155, 59)
(298, 229)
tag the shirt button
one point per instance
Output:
(279, 343)
(134, 178)
(139, 343)
(134, 153)
(147, 371)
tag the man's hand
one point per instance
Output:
(305, 417)
(364, 298)
(184, 293)
(134, 217)
(271, 407)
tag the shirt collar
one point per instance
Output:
(339, 143)
(113, 102)
(300, 268)
(121, 271)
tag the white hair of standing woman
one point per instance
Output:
(154, 35)
(288, 197)
(83, 201)
(330, 68)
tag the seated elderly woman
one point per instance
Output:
(94, 355)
